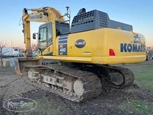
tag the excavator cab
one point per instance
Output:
(45, 34)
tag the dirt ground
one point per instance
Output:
(135, 100)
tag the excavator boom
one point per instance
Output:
(45, 14)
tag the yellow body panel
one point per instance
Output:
(97, 45)
(48, 50)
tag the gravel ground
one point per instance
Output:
(135, 100)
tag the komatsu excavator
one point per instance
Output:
(87, 51)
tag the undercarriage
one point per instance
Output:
(77, 83)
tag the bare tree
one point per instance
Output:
(34, 48)
(2, 45)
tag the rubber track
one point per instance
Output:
(91, 82)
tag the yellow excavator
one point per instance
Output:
(87, 51)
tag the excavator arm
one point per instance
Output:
(45, 14)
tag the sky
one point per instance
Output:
(138, 13)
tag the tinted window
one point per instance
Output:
(61, 28)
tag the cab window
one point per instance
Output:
(43, 34)
(49, 26)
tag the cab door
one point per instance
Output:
(45, 36)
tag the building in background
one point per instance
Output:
(12, 52)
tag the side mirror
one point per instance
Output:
(34, 35)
